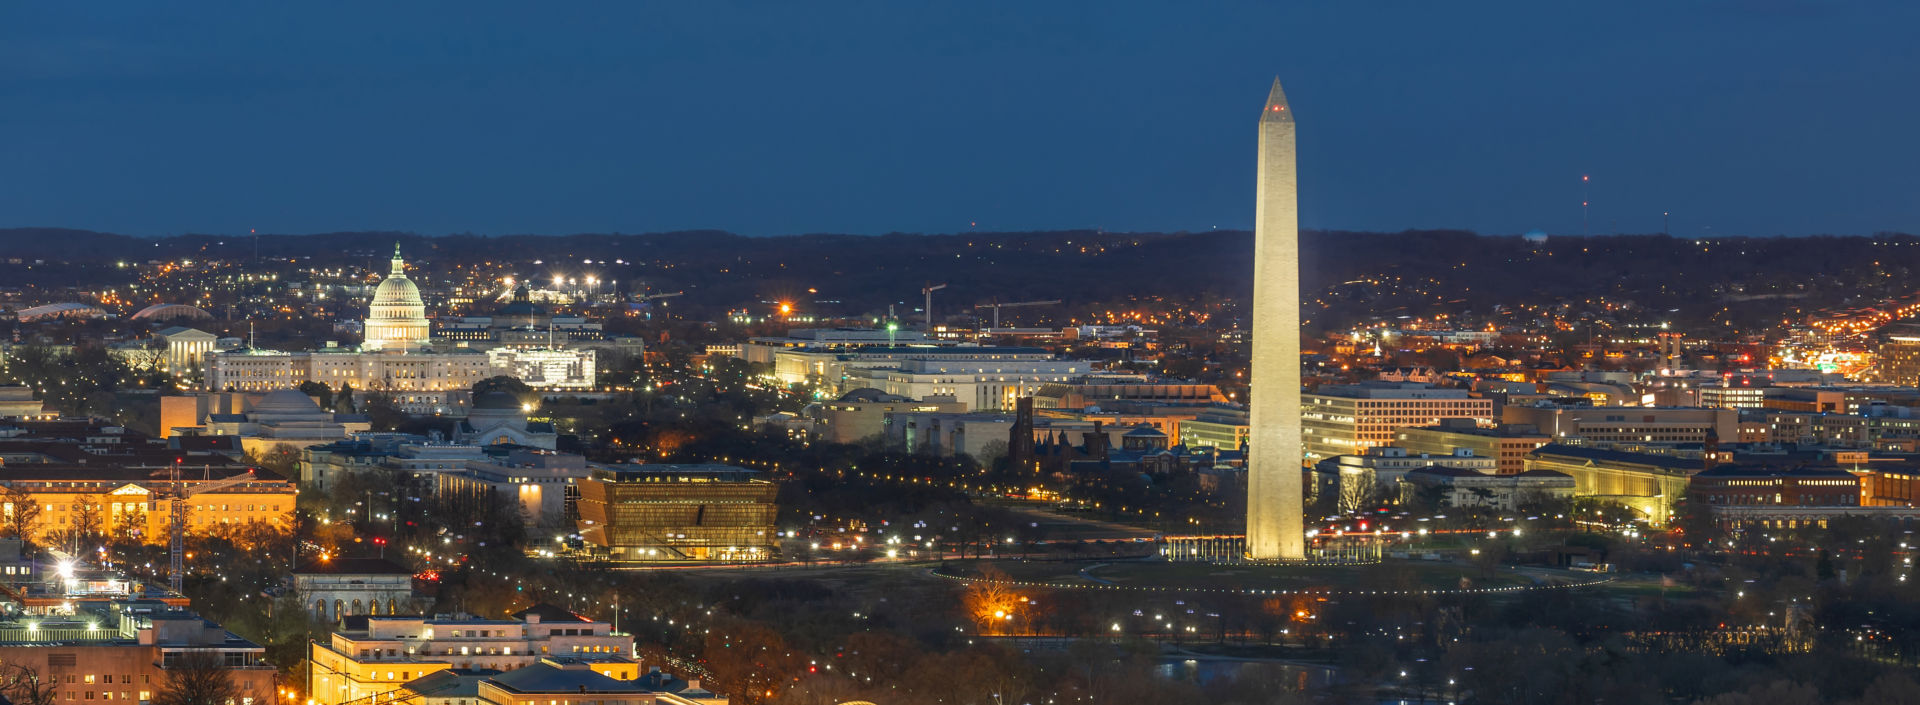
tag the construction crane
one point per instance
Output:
(928, 292)
(177, 523)
(643, 298)
(996, 306)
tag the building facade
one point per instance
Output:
(333, 588)
(1507, 446)
(123, 651)
(373, 656)
(394, 359)
(679, 512)
(1348, 419)
(1649, 484)
(1626, 424)
(137, 500)
(546, 369)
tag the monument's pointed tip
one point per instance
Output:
(1277, 108)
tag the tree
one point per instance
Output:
(23, 685)
(382, 413)
(992, 602)
(1356, 490)
(281, 458)
(86, 526)
(992, 454)
(343, 402)
(197, 678)
(503, 383)
(321, 393)
(19, 514)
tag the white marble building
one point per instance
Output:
(395, 358)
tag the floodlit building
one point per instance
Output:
(546, 369)
(1348, 419)
(17, 402)
(136, 499)
(1647, 483)
(1225, 429)
(1507, 446)
(333, 588)
(394, 358)
(679, 512)
(982, 378)
(521, 323)
(186, 350)
(377, 655)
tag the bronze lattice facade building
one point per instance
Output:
(679, 513)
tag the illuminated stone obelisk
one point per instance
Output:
(1274, 529)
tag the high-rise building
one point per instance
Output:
(1274, 486)
(1899, 357)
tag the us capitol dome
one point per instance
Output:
(397, 319)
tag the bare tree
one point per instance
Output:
(21, 516)
(86, 526)
(1357, 488)
(23, 685)
(197, 678)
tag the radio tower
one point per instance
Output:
(1584, 202)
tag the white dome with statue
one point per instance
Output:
(398, 318)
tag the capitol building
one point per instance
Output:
(397, 358)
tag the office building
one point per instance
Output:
(1506, 445)
(1348, 419)
(1628, 424)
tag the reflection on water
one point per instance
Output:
(1296, 676)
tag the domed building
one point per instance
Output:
(499, 418)
(398, 318)
(282, 417)
(395, 358)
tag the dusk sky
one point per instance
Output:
(1740, 117)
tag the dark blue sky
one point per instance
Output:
(1741, 117)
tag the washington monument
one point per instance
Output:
(1274, 529)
